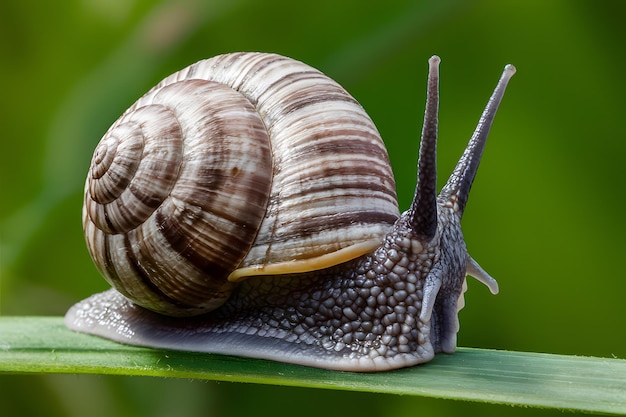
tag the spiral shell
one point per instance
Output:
(239, 165)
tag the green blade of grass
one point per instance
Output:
(43, 344)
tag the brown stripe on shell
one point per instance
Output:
(304, 110)
(142, 267)
(201, 230)
(141, 174)
(177, 278)
(129, 267)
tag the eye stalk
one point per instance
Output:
(460, 182)
(423, 210)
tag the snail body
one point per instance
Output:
(246, 206)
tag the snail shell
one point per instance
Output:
(239, 165)
(253, 193)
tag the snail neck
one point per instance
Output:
(436, 265)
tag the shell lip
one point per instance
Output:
(306, 265)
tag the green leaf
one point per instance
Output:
(43, 344)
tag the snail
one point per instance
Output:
(246, 206)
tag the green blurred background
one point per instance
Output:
(545, 216)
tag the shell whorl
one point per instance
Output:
(239, 165)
